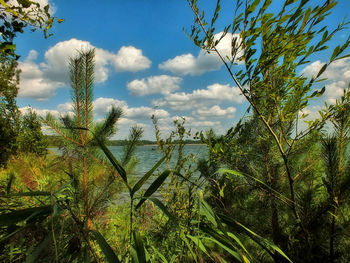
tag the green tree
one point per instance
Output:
(16, 15)
(31, 138)
(9, 114)
(268, 148)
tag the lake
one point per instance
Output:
(149, 155)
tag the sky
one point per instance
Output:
(145, 64)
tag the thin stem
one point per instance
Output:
(131, 223)
(86, 208)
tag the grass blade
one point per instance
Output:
(139, 248)
(105, 247)
(24, 214)
(139, 184)
(153, 187)
(114, 161)
(162, 207)
(36, 193)
(33, 256)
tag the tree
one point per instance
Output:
(16, 15)
(9, 114)
(31, 138)
(273, 48)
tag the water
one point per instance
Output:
(148, 156)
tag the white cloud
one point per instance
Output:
(162, 84)
(33, 83)
(215, 111)
(201, 97)
(103, 105)
(130, 59)
(188, 64)
(145, 113)
(334, 91)
(40, 112)
(41, 81)
(337, 74)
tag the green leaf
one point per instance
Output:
(34, 255)
(105, 247)
(199, 243)
(139, 248)
(324, 67)
(229, 250)
(153, 187)
(9, 184)
(162, 207)
(233, 172)
(25, 3)
(317, 93)
(206, 210)
(114, 161)
(219, 238)
(160, 255)
(139, 184)
(24, 214)
(184, 238)
(34, 193)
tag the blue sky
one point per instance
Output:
(145, 64)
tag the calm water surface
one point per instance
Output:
(148, 156)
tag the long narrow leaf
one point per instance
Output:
(33, 256)
(139, 184)
(227, 249)
(114, 161)
(139, 248)
(264, 243)
(153, 187)
(160, 255)
(24, 214)
(105, 247)
(36, 193)
(199, 244)
(233, 172)
(162, 207)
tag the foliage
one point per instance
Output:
(16, 15)
(30, 138)
(280, 180)
(9, 113)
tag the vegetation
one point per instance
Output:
(268, 190)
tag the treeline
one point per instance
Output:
(56, 141)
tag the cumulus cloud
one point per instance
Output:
(188, 64)
(145, 113)
(103, 105)
(130, 59)
(337, 74)
(215, 112)
(162, 84)
(40, 112)
(200, 97)
(33, 83)
(41, 81)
